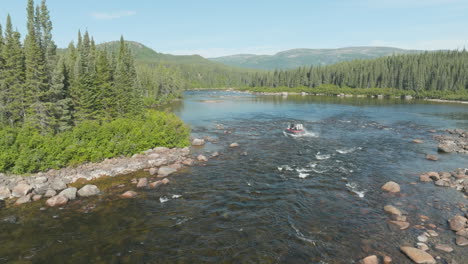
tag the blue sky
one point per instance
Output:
(214, 27)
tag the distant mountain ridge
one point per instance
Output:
(295, 58)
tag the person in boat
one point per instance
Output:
(292, 127)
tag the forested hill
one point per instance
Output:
(295, 58)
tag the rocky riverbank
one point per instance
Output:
(455, 141)
(57, 185)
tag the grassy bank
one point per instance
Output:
(25, 150)
(387, 92)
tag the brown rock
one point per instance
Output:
(153, 171)
(21, 190)
(391, 187)
(387, 260)
(418, 141)
(457, 223)
(142, 183)
(370, 260)
(165, 181)
(392, 210)
(155, 184)
(463, 233)
(198, 142)
(425, 178)
(418, 256)
(23, 200)
(129, 194)
(57, 200)
(432, 157)
(234, 145)
(37, 197)
(188, 162)
(433, 175)
(202, 158)
(443, 247)
(461, 241)
(422, 246)
(401, 224)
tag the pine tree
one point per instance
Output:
(49, 49)
(61, 104)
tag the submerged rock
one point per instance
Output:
(142, 183)
(10, 219)
(418, 256)
(88, 190)
(57, 200)
(155, 184)
(418, 141)
(443, 247)
(401, 224)
(391, 187)
(392, 210)
(432, 157)
(128, 194)
(387, 260)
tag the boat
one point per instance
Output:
(295, 129)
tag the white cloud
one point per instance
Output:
(112, 15)
(439, 44)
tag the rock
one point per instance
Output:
(433, 175)
(153, 171)
(445, 175)
(142, 183)
(387, 260)
(160, 149)
(442, 183)
(4, 192)
(370, 260)
(443, 247)
(57, 200)
(37, 197)
(418, 256)
(418, 141)
(392, 210)
(155, 184)
(234, 145)
(422, 238)
(461, 241)
(432, 157)
(463, 233)
(198, 142)
(447, 147)
(432, 233)
(129, 194)
(88, 190)
(58, 185)
(422, 246)
(215, 154)
(425, 178)
(188, 162)
(21, 190)
(401, 224)
(400, 218)
(391, 187)
(154, 156)
(24, 199)
(457, 223)
(165, 181)
(10, 219)
(202, 158)
(165, 171)
(50, 193)
(69, 193)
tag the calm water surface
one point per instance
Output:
(275, 199)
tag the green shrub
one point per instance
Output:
(25, 150)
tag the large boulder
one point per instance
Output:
(447, 147)
(165, 171)
(418, 256)
(392, 210)
(461, 241)
(21, 190)
(391, 187)
(198, 142)
(57, 200)
(50, 193)
(88, 190)
(457, 223)
(69, 193)
(4, 192)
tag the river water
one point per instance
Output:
(275, 198)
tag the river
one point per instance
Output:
(275, 198)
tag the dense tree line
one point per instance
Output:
(444, 71)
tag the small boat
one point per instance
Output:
(295, 129)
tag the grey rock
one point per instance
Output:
(198, 142)
(57, 200)
(88, 190)
(50, 193)
(58, 185)
(10, 219)
(69, 193)
(202, 158)
(153, 171)
(461, 241)
(142, 183)
(165, 171)
(24, 199)
(443, 247)
(457, 223)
